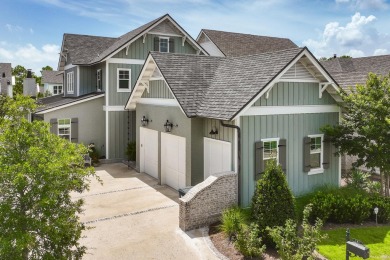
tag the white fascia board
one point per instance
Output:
(113, 108)
(126, 61)
(290, 110)
(70, 104)
(69, 66)
(165, 102)
(165, 34)
(216, 46)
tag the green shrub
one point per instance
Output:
(293, 246)
(131, 151)
(358, 179)
(344, 205)
(232, 220)
(249, 242)
(383, 204)
(272, 202)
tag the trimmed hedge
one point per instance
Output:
(346, 205)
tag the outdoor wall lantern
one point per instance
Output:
(168, 126)
(214, 131)
(144, 121)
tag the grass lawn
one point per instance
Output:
(377, 239)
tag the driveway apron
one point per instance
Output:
(132, 217)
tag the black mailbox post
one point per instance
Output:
(356, 247)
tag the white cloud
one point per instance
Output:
(13, 28)
(381, 52)
(365, 4)
(30, 56)
(356, 38)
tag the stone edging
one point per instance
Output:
(209, 243)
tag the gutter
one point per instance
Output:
(238, 155)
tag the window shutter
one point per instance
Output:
(326, 158)
(283, 154)
(54, 126)
(306, 154)
(74, 130)
(171, 45)
(156, 44)
(259, 162)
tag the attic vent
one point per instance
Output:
(298, 72)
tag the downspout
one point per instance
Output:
(238, 157)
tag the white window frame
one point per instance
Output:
(117, 80)
(60, 89)
(99, 79)
(63, 126)
(70, 82)
(55, 90)
(277, 148)
(321, 168)
(159, 44)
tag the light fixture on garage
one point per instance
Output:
(168, 126)
(214, 131)
(144, 121)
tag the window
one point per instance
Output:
(64, 126)
(57, 90)
(70, 82)
(99, 79)
(164, 44)
(270, 150)
(315, 151)
(124, 80)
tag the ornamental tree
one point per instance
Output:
(364, 130)
(38, 172)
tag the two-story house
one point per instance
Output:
(6, 79)
(99, 74)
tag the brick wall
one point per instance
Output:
(204, 203)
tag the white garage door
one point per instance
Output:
(149, 151)
(173, 160)
(217, 156)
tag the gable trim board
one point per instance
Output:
(69, 104)
(305, 52)
(113, 108)
(126, 61)
(146, 31)
(290, 110)
(159, 102)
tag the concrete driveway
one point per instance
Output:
(134, 218)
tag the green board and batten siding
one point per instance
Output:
(157, 89)
(293, 128)
(88, 78)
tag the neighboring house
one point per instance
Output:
(228, 44)
(99, 74)
(349, 72)
(6, 79)
(199, 115)
(52, 82)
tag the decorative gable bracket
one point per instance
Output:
(144, 37)
(127, 48)
(146, 85)
(183, 40)
(324, 86)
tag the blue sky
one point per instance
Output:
(31, 30)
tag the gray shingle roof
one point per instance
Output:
(238, 44)
(219, 87)
(348, 72)
(82, 49)
(58, 101)
(51, 77)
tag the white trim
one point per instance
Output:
(126, 61)
(164, 34)
(113, 108)
(277, 139)
(107, 119)
(306, 53)
(69, 66)
(321, 168)
(299, 80)
(63, 126)
(117, 80)
(78, 80)
(159, 102)
(99, 79)
(68, 76)
(237, 123)
(68, 105)
(290, 110)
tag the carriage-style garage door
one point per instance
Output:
(149, 151)
(217, 156)
(173, 160)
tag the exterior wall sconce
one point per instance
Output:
(168, 126)
(144, 121)
(214, 131)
